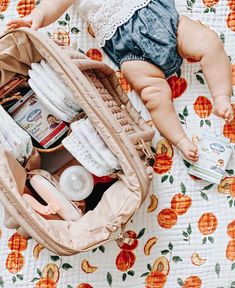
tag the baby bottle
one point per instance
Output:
(76, 182)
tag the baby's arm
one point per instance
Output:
(42, 15)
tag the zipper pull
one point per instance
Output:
(149, 156)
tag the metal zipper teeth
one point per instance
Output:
(117, 139)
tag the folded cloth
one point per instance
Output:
(77, 129)
(4, 142)
(60, 85)
(61, 115)
(85, 127)
(73, 144)
(16, 137)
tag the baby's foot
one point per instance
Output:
(222, 108)
(188, 148)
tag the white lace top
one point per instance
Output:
(105, 16)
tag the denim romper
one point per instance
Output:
(149, 35)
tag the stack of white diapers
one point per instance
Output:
(86, 145)
(52, 91)
(14, 138)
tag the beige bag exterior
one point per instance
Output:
(20, 48)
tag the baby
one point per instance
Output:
(148, 40)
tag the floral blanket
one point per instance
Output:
(184, 234)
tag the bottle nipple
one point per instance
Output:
(76, 182)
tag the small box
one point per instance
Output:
(214, 154)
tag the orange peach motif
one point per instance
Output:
(178, 86)
(192, 282)
(125, 260)
(233, 67)
(231, 4)
(167, 218)
(230, 251)
(162, 164)
(164, 148)
(229, 129)
(51, 271)
(14, 262)
(162, 265)
(61, 36)
(155, 279)
(231, 229)
(17, 242)
(203, 107)
(123, 82)
(231, 20)
(4, 5)
(207, 224)
(227, 186)
(132, 244)
(84, 285)
(45, 283)
(94, 54)
(90, 31)
(181, 203)
(210, 3)
(24, 7)
(153, 203)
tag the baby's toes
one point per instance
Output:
(229, 116)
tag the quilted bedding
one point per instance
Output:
(184, 234)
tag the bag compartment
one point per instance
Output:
(21, 48)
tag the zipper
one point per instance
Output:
(32, 221)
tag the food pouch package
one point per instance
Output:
(34, 118)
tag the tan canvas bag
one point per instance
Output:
(129, 143)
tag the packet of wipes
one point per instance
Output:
(214, 154)
(34, 118)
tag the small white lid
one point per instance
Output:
(76, 182)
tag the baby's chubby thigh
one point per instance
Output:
(149, 83)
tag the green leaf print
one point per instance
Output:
(1, 282)
(66, 266)
(176, 259)
(182, 188)
(109, 279)
(124, 277)
(141, 233)
(180, 281)
(217, 269)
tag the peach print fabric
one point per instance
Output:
(184, 234)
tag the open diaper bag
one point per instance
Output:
(94, 90)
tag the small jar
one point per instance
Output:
(76, 182)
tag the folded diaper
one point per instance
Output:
(15, 137)
(60, 85)
(52, 91)
(47, 103)
(85, 128)
(73, 144)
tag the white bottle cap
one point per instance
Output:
(76, 182)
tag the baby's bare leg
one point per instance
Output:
(150, 84)
(202, 44)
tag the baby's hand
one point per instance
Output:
(34, 21)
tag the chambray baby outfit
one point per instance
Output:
(130, 30)
(149, 35)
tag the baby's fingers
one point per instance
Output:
(16, 23)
